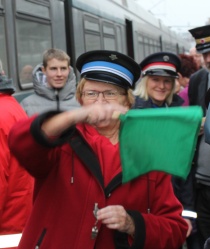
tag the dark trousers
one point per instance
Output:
(203, 211)
(194, 241)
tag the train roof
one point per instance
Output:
(127, 9)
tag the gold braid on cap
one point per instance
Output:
(202, 40)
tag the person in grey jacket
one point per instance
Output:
(54, 85)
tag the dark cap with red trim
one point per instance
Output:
(202, 38)
(161, 64)
(110, 67)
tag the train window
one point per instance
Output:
(146, 46)
(119, 39)
(39, 1)
(167, 47)
(157, 46)
(32, 39)
(92, 42)
(92, 33)
(109, 36)
(3, 57)
(91, 23)
(141, 53)
(151, 45)
(146, 40)
(32, 7)
(109, 43)
(140, 39)
(174, 48)
(108, 29)
(146, 49)
(151, 42)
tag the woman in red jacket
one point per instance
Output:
(80, 201)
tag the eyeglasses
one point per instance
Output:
(108, 95)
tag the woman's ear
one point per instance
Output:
(80, 101)
(180, 76)
(43, 69)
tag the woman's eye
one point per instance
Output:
(91, 93)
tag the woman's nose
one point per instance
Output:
(101, 97)
(161, 84)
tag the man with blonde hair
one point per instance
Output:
(54, 84)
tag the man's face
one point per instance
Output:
(206, 57)
(56, 72)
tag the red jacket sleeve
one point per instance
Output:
(164, 224)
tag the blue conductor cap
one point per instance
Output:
(109, 67)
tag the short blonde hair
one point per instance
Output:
(141, 90)
(54, 53)
(82, 82)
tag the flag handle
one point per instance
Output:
(203, 121)
(116, 115)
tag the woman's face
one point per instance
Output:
(159, 88)
(99, 92)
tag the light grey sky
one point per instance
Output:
(181, 15)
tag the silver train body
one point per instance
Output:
(29, 27)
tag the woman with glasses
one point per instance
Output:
(79, 199)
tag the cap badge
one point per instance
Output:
(165, 58)
(113, 57)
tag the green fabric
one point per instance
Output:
(161, 139)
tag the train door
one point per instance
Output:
(129, 38)
(70, 48)
(161, 43)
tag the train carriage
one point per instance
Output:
(28, 27)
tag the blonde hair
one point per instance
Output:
(80, 86)
(54, 53)
(141, 90)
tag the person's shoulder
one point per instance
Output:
(140, 103)
(199, 73)
(29, 99)
(10, 109)
(37, 104)
(207, 244)
(177, 100)
(6, 99)
(33, 97)
(184, 90)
